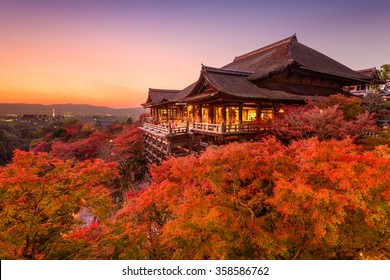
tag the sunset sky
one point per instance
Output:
(104, 52)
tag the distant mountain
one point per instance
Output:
(61, 109)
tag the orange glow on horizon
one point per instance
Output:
(113, 99)
(105, 76)
(110, 52)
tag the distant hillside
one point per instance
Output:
(61, 109)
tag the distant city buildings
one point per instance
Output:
(41, 120)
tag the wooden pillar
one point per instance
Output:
(199, 118)
(224, 113)
(223, 124)
(240, 114)
(211, 113)
(193, 113)
(181, 112)
(258, 112)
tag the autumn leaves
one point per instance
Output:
(315, 198)
(312, 200)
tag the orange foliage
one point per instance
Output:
(323, 120)
(40, 200)
(261, 200)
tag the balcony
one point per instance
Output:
(228, 129)
(165, 129)
(182, 139)
(172, 129)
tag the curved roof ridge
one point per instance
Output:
(367, 69)
(290, 39)
(372, 73)
(163, 90)
(209, 69)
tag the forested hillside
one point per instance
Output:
(312, 187)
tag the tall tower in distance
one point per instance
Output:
(54, 113)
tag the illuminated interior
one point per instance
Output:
(218, 114)
(205, 114)
(167, 114)
(162, 114)
(248, 114)
(232, 115)
(267, 114)
(190, 112)
(200, 113)
(197, 118)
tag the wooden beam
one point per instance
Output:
(240, 113)
(199, 116)
(224, 113)
(211, 113)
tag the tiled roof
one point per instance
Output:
(237, 85)
(157, 96)
(277, 57)
(315, 61)
(184, 93)
(248, 76)
(372, 74)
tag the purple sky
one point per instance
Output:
(111, 52)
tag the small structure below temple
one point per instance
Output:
(235, 102)
(364, 89)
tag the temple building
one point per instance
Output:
(235, 101)
(363, 89)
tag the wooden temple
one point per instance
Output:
(364, 88)
(235, 101)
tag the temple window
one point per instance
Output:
(218, 114)
(248, 114)
(205, 114)
(190, 113)
(172, 113)
(232, 115)
(267, 114)
(163, 114)
(197, 113)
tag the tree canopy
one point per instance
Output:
(41, 198)
(305, 191)
(384, 74)
(336, 117)
(261, 200)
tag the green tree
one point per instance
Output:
(384, 74)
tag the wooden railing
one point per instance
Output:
(210, 127)
(166, 128)
(229, 128)
(171, 129)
